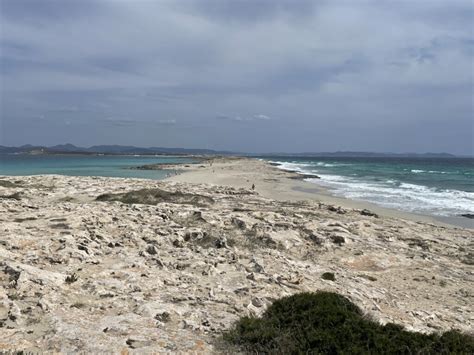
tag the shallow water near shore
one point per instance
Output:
(87, 165)
(438, 187)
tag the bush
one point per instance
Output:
(155, 196)
(328, 276)
(329, 323)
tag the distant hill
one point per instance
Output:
(365, 155)
(106, 149)
(65, 148)
(131, 150)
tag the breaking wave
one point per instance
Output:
(392, 193)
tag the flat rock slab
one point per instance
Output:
(98, 264)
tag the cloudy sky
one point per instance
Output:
(255, 76)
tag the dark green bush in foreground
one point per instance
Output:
(328, 323)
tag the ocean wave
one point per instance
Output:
(391, 193)
(416, 171)
(330, 165)
(402, 196)
(327, 165)
(299, 166)
(288, 166)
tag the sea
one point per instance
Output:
(87, 165)
(431, 186)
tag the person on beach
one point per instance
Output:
(253, 186)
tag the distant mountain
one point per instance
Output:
(118, 149)
(106, 149)
(365, 155)
(127, 150)
(66, 148)
(194, 151)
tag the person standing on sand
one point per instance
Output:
(253, 186)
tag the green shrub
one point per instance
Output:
(155, 196)
(328, 276)
(328, 323)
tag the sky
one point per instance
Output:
(249, 76)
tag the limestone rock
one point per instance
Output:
(170, 272)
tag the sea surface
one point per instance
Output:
(432, 186)
(86, 165)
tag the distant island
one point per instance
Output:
(349, 154)
(106, 149)
(132, 150)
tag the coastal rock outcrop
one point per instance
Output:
(114, 265)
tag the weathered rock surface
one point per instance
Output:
(170, 271)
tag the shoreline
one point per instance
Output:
(281, 185)
(325, 194)
(275, 183)
(168, 265)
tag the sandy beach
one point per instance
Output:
(274, 183)
(99, 264)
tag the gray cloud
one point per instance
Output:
(248, 11)
(289, 75)
(262, 117)
(122, 122)
(258, 117)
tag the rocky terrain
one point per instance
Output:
(121, 265)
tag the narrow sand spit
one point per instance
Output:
(80, 274)
(277, 184)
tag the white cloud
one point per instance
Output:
(258, 117)
(262, 117)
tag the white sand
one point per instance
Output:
(277, 184)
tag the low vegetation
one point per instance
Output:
(328, 276)
(328, 323)
(155, 196)
(10, 184)
(14, 196)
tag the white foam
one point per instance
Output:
(291, 166)
(439, 172)
(326, 165)
(330, 165)
(406, 197)
(416, 171)
(392, 193)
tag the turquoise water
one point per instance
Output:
(86, 165)
(442, 187)
(435, 186)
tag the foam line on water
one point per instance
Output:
(392, 193)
